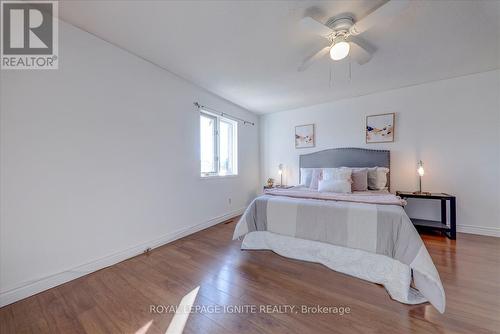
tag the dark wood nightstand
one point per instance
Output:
(451, 230)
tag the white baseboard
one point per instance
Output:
(481, 230)
(36, 286)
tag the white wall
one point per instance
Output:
(100, 160)
(452, 125)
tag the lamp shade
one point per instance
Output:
(339, 50)
(420, 169)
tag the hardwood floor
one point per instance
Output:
(118, 299)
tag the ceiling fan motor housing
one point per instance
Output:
(340, 24)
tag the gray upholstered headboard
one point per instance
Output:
(347, 157)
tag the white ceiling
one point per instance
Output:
(248, 51)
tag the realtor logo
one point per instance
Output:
(29, 36)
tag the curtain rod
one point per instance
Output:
(223, 114)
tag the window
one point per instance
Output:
(218, 145)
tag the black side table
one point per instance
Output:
(449, 231)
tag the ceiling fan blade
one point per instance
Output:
(315, 27)
(360, 51)
(383, 13)
(311, 59)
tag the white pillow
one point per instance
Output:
(377, 178)
(334, 186)
(339, 174)
(317, 175)
(306, 176)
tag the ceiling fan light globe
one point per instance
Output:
(339, 50)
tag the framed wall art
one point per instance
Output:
(304, 136)
(380, 128)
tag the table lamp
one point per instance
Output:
(280, 172)
(421, 172)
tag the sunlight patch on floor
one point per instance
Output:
(144, 329)
(179, 320)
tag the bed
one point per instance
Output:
(364, 234)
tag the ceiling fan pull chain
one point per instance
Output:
(330, 77)
(332, 71)
(350, 62)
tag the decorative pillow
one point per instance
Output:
(317, 175)
(359, 179)
(377, 178)
(305, 176)
(339, 174)
(334, 186)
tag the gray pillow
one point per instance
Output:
(359, 179)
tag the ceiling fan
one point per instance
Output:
(342, 33)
